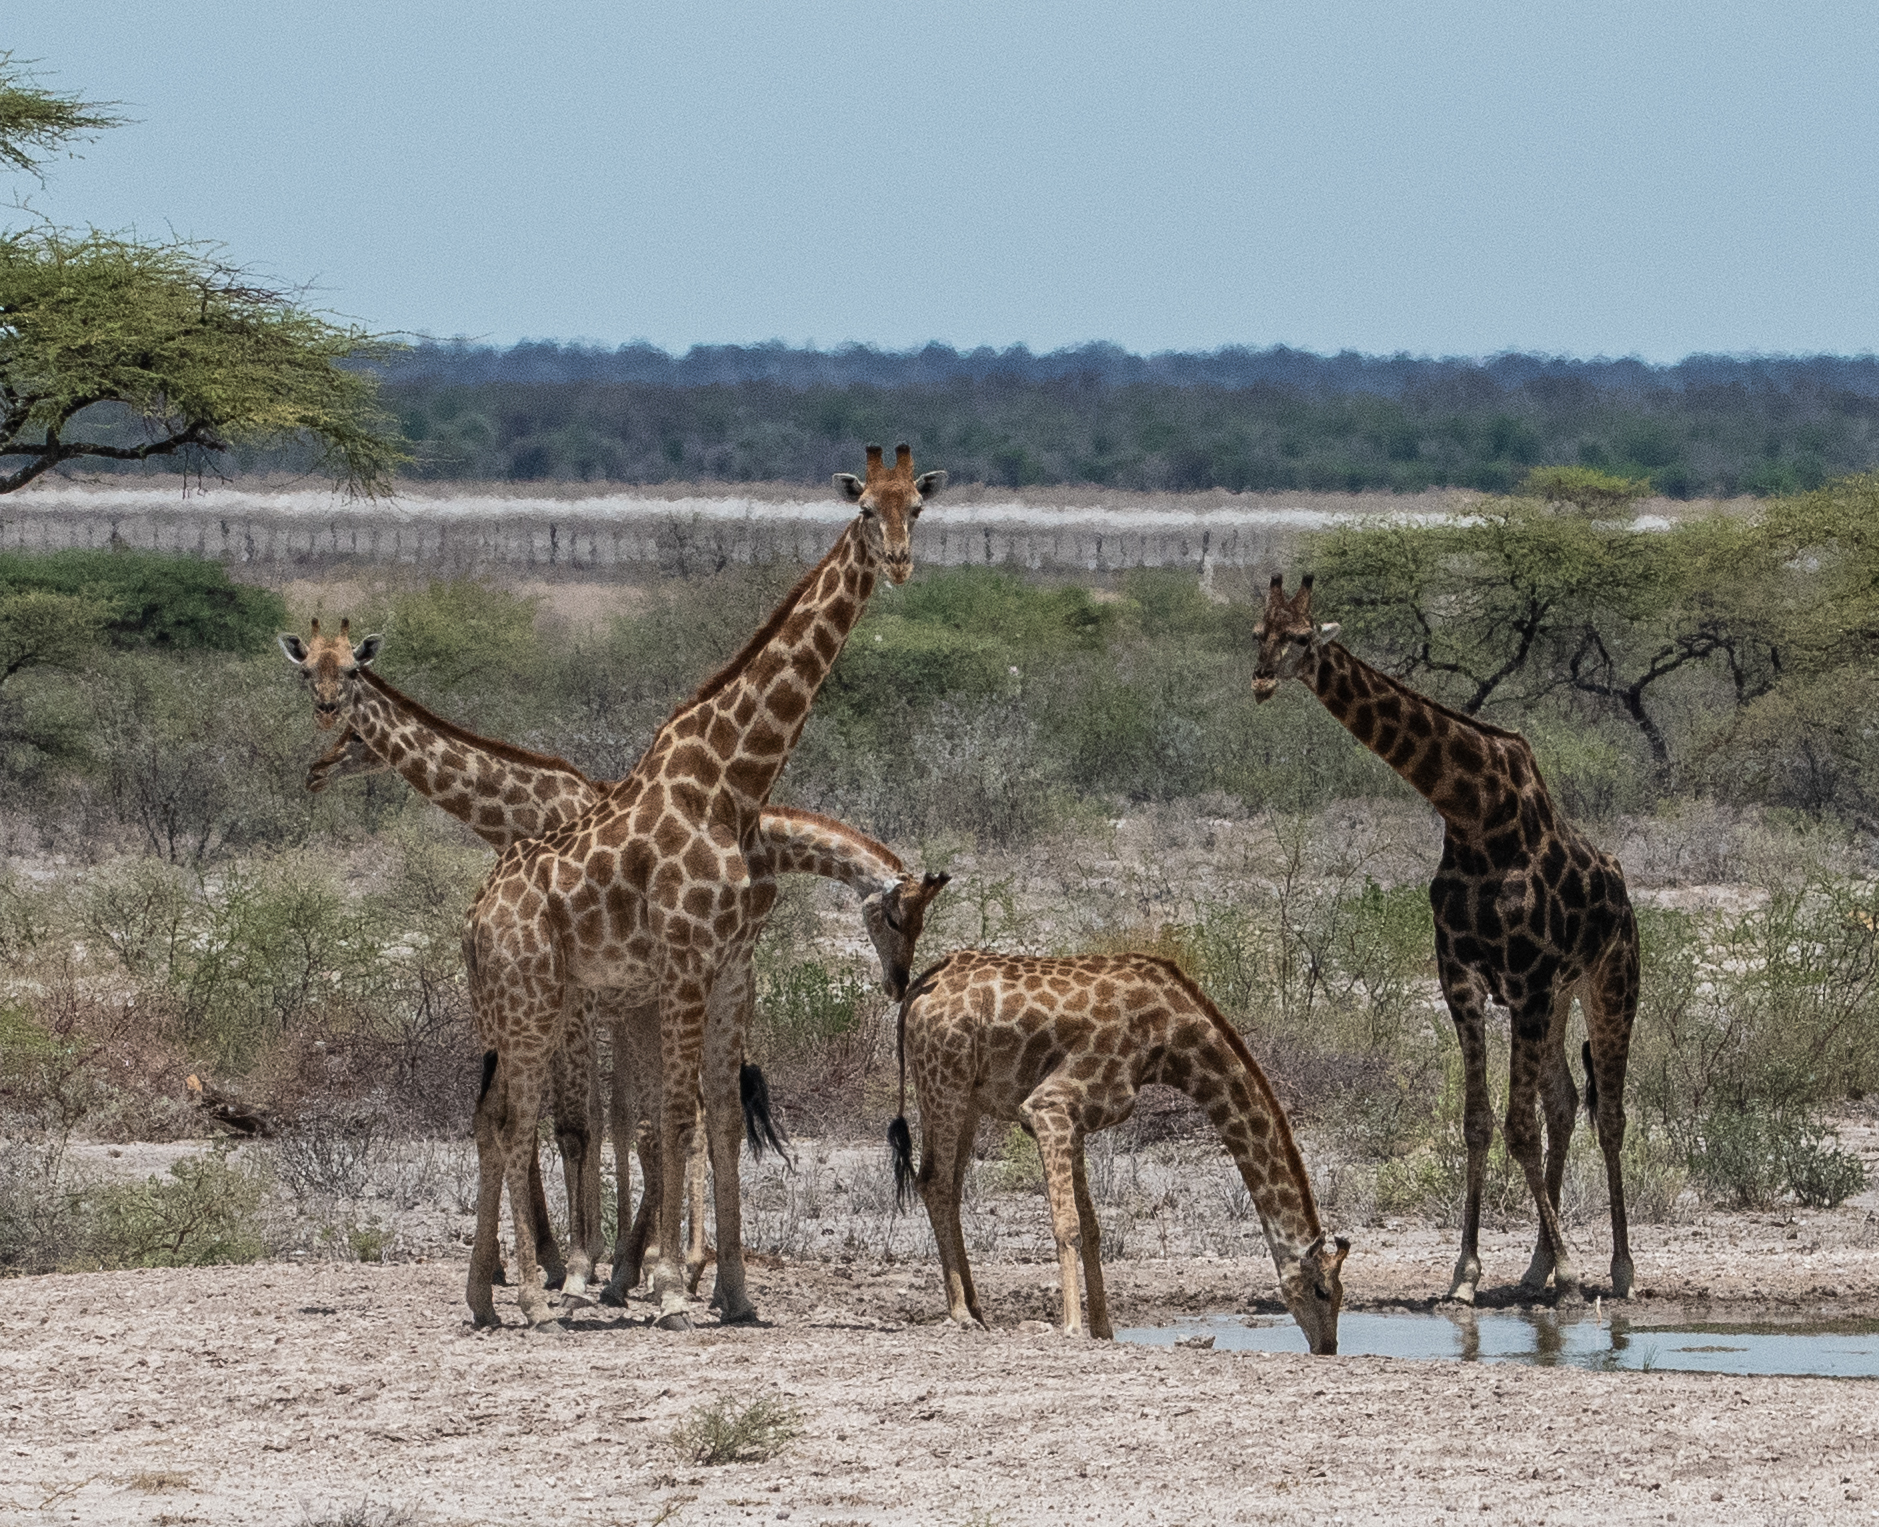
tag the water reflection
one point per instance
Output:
(1546, 1339)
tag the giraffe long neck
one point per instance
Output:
(503, 794)
(721, 753)
(807, 843)
(1210, 1063)
(1462, 767)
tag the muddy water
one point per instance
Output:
(1541, 1338)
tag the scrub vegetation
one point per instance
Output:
(1087, 761)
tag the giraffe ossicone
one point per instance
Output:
(1528, 915)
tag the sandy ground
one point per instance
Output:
(328, 1393)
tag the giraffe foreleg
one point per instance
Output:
(1092, 1248)
(1466, 1002)
(515, 1138)
(1559, 1106)
(1531, 1037)
(635, 1126)
(697, 1178)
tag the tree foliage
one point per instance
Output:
(36, 122)
(113, 349)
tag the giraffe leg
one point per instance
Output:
(1531, 1038)
(1466, 1000)
(1092, 1249)
(1054, 1126)
(554, 1269)
(1611, 1003)
(485, 1254)
(945, 1152)
(683, 1010)
(571, 1083)
(724, 1128)
(697, 1171)
(515, 1139)
(1559, 1104)
(622, 1126)
(636, 1084)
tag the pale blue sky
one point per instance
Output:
(1446, 178)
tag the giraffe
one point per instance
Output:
(506, 794)
(651, 890)
(1062, 1046)
(1528, 914)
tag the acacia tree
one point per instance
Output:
(114, 349)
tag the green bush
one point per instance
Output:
(206, 1213)
(731, 1431)
(803, 1003)
(156, 599)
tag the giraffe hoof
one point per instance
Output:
(613, 1297)
(549, 1327)
(554, 1280)
(1462, 1293)
(746, 1316)
(675, 1320)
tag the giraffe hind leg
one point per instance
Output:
(1466, 998)
(1611, 1003)
(1100, 1327)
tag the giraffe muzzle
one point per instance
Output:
(1264, 690)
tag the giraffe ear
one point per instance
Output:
(929, 483)
(1343, 1250)
(294, 647)
(1326, 634)
(367, 649)
(852, 486)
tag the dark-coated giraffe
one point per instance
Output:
(1063, 1046)
(651, 891)
(1528, 914)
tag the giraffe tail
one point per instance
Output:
(760, 1127)
(900, 1145)
(1591, 1080)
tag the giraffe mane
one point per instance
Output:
(1256, 1078)
(1471, 723)
(464, 734)
(760, 639)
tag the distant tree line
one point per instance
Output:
(1236, 419)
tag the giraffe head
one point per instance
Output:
(329, 667)
(345, 758)
(1288, 641)
(1312, 1285)
(890, 503)
(894, 918)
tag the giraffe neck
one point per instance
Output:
(721, 752)
(1210, 1063)
(1469, 771)
(807, 843)
(501, 793)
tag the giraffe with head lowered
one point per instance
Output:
(651, 891)
(1528, 915)
(507, 794)
(1062, 1047)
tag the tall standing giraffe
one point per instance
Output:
(1062, 1046)
(507, 794)
(651, 891)
(1528, 914)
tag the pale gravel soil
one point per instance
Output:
(291, 1393)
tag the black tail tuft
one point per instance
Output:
(489, 1074)
(1591, 1080)
(900, 1145)
(760, 1129)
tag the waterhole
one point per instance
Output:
(1540, 1338)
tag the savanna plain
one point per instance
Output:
(242, 1300)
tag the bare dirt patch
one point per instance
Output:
(299, 1393)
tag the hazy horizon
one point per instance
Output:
(1456, 180)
